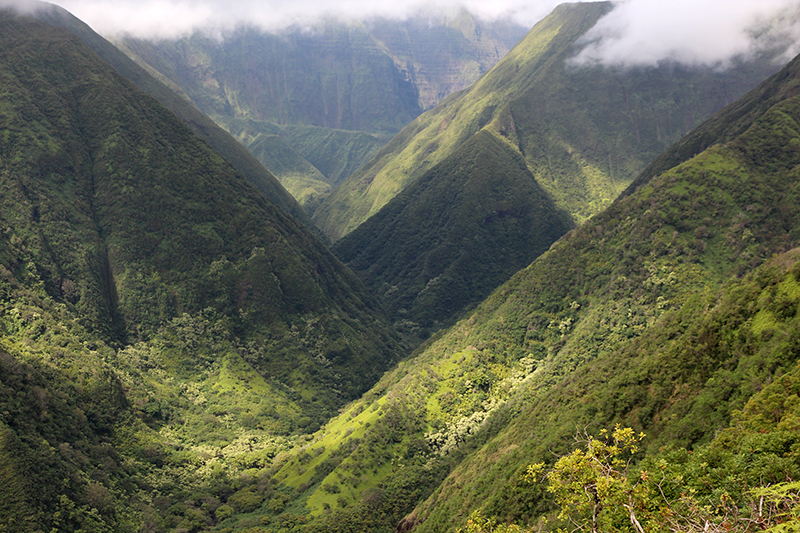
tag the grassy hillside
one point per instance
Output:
(449, 239)
(665, 312)
(164, 327)
(585, 133)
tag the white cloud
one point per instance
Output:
(693, 32)
(635, 32)
(174, 18)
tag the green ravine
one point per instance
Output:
(177, 354)
(639, 316)
(585, 133)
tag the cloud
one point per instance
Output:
(634, 33)
(692, 32)
(176, 18)
(21, 6)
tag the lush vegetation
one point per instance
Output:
(173, 347)
(744, 480)
(461, 230)
(165, 329)
(585, 133)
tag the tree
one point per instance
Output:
(598, 489)
(593, 487)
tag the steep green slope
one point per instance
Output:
(449, 239)
(585, 133)
(158, 224)
(207, 129)
(637, 316)
(163, 326)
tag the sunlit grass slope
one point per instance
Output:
(666, 312)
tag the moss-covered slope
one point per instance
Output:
(458, 232)
(584, 133)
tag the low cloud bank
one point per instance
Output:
(691, 32)
(634, 33)
(167, 19)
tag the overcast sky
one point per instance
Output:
(636, 32)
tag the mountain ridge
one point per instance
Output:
(153, 302)
(585, 132)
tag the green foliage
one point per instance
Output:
(160, 226)
(170, 342)
(593, 487)
(596, 490)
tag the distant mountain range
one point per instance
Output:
(334, 93)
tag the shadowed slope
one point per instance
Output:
(454, 235)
